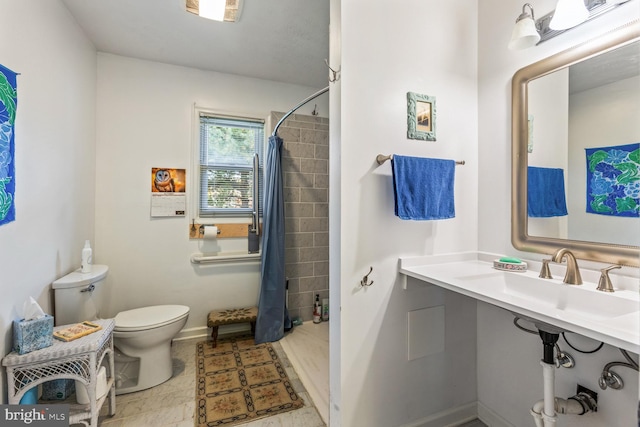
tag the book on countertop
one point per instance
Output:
(76, 331)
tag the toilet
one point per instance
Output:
(142, 336)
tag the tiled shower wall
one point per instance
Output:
(305, 167)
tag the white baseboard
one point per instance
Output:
(185, 334)
(449, 418)
(491, 418)
(204, 332)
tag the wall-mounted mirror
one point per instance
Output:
(564, 108)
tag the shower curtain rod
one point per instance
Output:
(315, 95)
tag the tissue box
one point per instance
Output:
(58, 389)
(30, 335)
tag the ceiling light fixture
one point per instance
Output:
(212, 9)
(218, 10)
(524, 33)
(568, 14)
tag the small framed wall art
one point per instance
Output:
(421, 117)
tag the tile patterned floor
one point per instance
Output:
(172, 404)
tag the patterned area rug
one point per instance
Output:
(238, 382)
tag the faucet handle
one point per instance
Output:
(604, 284)
(545, 273)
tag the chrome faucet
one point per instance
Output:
(572, 276)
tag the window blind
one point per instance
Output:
(227, 147)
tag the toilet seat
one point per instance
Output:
(144, 318)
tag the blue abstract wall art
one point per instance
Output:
(8, 105)
(613, 180)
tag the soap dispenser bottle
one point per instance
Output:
(86, 257)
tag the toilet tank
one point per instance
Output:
(79, 296)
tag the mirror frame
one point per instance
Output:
(521, 240)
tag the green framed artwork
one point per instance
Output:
(421, 117)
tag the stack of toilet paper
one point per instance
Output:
(82, 396)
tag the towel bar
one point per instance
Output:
(381, 158)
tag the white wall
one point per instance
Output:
(507, 357)
(388, 49)
(145, 120)
(54, 154)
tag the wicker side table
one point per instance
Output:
(78, 360)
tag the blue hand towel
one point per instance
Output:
(545, 192)
(423, 188)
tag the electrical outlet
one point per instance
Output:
(592, 395)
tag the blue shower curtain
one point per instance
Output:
(273, 318)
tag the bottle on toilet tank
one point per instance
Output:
(86, 257)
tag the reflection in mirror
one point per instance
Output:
(584, 101)
(592, 104)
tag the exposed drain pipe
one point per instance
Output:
(544, 412)
(576, 405)
(548, 415)
(548, 373)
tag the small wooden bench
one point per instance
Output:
(218, 318)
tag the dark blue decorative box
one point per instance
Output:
(58, 389)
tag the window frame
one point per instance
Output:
(198, 186)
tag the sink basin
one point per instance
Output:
(582, 300)
(613, 318)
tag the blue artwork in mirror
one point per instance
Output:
(613, 180)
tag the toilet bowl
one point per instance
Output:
(142, 336)
(145, 334)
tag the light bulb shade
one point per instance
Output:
(568, 13)
(212, 9)
(524, 34)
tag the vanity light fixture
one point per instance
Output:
(568, 14)
(218, 10)
(525, 34)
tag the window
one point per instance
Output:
(227, 149)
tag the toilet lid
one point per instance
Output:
(149, 317)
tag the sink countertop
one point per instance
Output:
(581, 309)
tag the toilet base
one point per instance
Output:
(148, 370)
(149, 348)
